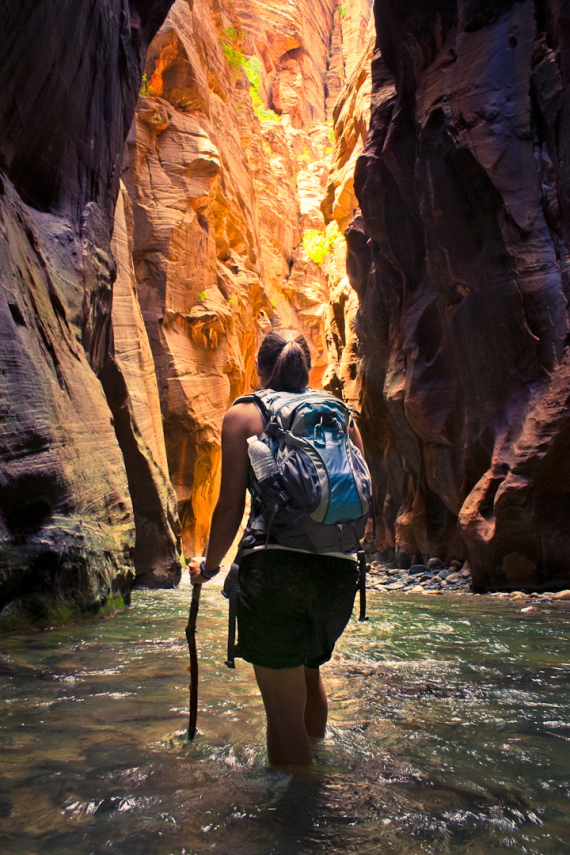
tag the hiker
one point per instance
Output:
(292, 604)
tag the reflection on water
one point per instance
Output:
(449, 733)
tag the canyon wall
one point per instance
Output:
(70, 83)
(460, 259)
(136, 284)
(351, 118)
(228, 161)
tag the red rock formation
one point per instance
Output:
(70, 81)
(130, 381)
(293, 40)
(351, 120)
(461, 263)
(222, 192)
(196, 249)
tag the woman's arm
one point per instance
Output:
(239, 423)
(355, 437)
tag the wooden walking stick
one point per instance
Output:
(191, 639)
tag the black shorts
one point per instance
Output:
(292, 606)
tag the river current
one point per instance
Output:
(449, 732)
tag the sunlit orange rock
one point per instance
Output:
(222, 193)
(130, 384)
(293, 40)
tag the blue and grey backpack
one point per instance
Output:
(310, 484)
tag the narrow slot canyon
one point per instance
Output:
(179, 177)
(232, 156)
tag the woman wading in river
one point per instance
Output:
(292, 604)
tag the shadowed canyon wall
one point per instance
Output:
(71, 80)
(460, 259)
(136, 281)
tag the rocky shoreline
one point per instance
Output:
(435, 577)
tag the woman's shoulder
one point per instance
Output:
(243, 417)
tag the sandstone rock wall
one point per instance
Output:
(225, 191)
(351, 119)
(461, 262)
(130, 382)
(70, 83)
(293, 40)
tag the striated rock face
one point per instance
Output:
(461, 262)
(66, 524)
(351, 119)
(196, 249)
(66, 519)
(67, 108)
(293, 40)
(224, 194)
(130, 381)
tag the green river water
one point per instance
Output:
(449, 733)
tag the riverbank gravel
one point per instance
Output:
(435, 577)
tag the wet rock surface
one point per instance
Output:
(421, 579)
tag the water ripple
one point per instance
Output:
(448, 735)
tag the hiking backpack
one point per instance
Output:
(310, 484)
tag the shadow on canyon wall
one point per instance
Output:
(67, 531)
(460, 259)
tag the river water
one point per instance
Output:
(449, 733)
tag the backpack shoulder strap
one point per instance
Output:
(257, 398)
